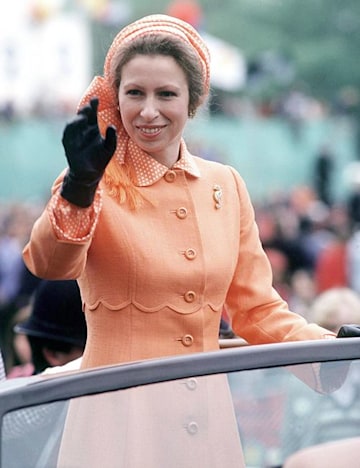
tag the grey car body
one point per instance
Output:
(277, 409)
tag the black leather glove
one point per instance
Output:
(349, 331)
(87, 154)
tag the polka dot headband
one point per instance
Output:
(163, 24)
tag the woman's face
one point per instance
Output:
(154, 105)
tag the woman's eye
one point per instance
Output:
(133, 92)
(167, 94)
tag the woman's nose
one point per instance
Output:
(149, 110)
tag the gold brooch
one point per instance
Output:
(217, 196)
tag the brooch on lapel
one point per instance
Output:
(217, 196)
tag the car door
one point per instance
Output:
(247, 406)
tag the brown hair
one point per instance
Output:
(162, 44)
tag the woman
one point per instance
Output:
(159, 241)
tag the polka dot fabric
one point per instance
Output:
(72, 223)
(148, 170)
(78, 224)
(163, 24)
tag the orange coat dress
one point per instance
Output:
(154, 281)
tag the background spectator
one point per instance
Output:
(334, 307)
(56, 327)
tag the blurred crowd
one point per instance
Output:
(41, 322)
(312, 241)
(312, 246)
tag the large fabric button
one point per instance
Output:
(190, 296)
(191, 384)
(170, 176)
(190, 254)
(192, 428)
(181, 213)
(187, 340)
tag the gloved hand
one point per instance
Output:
(87, 154)
(349, 331)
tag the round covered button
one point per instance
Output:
(192, 428)
(170, 176)
(181, 212)
(190, 254)
(190, 296)
(191, 384)
(187, 340)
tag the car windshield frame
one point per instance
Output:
(58, 387)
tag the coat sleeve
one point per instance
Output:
(258, 313)
(55, 250)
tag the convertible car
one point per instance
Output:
(281, 405)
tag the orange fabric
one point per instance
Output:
(154, 282)
(73, 223)
(131, 428)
